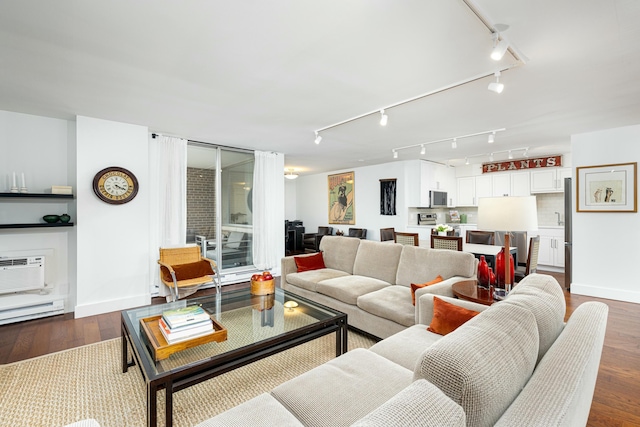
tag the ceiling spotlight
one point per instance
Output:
(526, 152)
(510, 155)
(466, 160)
(395, 154)
(423, 149)
(318, 138)
(383, 118)
(291, 175)
(492, 138)
(491, 157)
(454, 143)
(499, 47)
(496, 86)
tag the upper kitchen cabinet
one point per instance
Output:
(511, 184)
(549, 180)
(423, 176)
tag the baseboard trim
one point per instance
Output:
(606, 293)
(101, 307)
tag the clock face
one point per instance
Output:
(115, 185)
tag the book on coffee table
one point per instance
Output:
(184, 316)
(191, 330)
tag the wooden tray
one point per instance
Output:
(159, 347)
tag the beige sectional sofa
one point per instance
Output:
(370, 281)
(515, 364)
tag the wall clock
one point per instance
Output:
(115, 185)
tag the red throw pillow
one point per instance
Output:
(422, 285)
(448, 317)
(310, 262)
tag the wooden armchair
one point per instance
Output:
(186, 268)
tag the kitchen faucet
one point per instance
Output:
(559, 222)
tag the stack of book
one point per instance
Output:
(185, 323)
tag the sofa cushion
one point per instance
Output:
(309, 262)
(448, 317)
(343, 390)
(484, 364)
(418, 265)
(391, 302)
(309, 279)
(413, 341)
(262, 410)
(339, 252)
(543, 296)
(415, 287)
(348, 288)
(420, 404)
(378, 260)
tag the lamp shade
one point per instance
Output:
(507, 213)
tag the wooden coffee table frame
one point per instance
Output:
(194, 373)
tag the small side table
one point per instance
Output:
(470, 291)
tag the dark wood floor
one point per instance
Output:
(616, 401)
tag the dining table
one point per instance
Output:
(477, 249)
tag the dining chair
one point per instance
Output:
(360, 233)
(481, 237)
(387, 234)
(311, 241)
(410, 239)
(532, 260)
(453, 243)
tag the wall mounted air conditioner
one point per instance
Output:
(21, 274)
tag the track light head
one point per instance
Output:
(496, 86)
(395, 154)
(423, 150)
(454, 143)
(383, 118)
(466, 160)
(510, 155)
(318, 138)
(492, 138)
(499, 47)
(491, 157)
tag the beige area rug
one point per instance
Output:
(87, 382)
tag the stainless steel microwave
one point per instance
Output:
(438, 199)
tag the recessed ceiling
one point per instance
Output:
(265, 75)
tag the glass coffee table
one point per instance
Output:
(257, 327)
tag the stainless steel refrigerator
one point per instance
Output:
(568, 234)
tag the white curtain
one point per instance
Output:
(268, 210)
(168, 188)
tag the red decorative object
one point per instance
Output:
(500, 270)
(484, 273)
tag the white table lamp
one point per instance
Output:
(508, 214)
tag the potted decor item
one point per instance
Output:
(501, 290)
(51, 219)
(65, 218)
(484, 273)
(263, 284)
(442, 229)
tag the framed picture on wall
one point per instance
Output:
(342, 208)
(607, 188)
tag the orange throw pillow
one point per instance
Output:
(448, 317)
(414, 287)
(311, 262)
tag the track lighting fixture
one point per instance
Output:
(496, 86)
(454, 143)
(499, 47)
(510, 155)
(395, 154)
(291, 175)
(466, 160)
(383, 118)
(491, 157)
(491, 138)
(318, 138)
(526, 152)
(423, 149)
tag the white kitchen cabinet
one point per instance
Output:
(549, 180)
(511, 184)
(520, 184)
(466, 191)
(551, 251)
(501, 185)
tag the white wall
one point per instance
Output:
(312, 199)
(290, 186)
(605, 245)
(112, 240)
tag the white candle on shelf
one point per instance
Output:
(24, 184)
(14, 180)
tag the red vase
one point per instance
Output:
(484, 273)
(500, 270)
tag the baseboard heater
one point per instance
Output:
(33, 310)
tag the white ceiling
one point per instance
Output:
(266, 74)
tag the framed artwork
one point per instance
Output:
(388, 196)
(607, 188)
(342, 199)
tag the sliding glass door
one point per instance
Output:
(219, 205)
